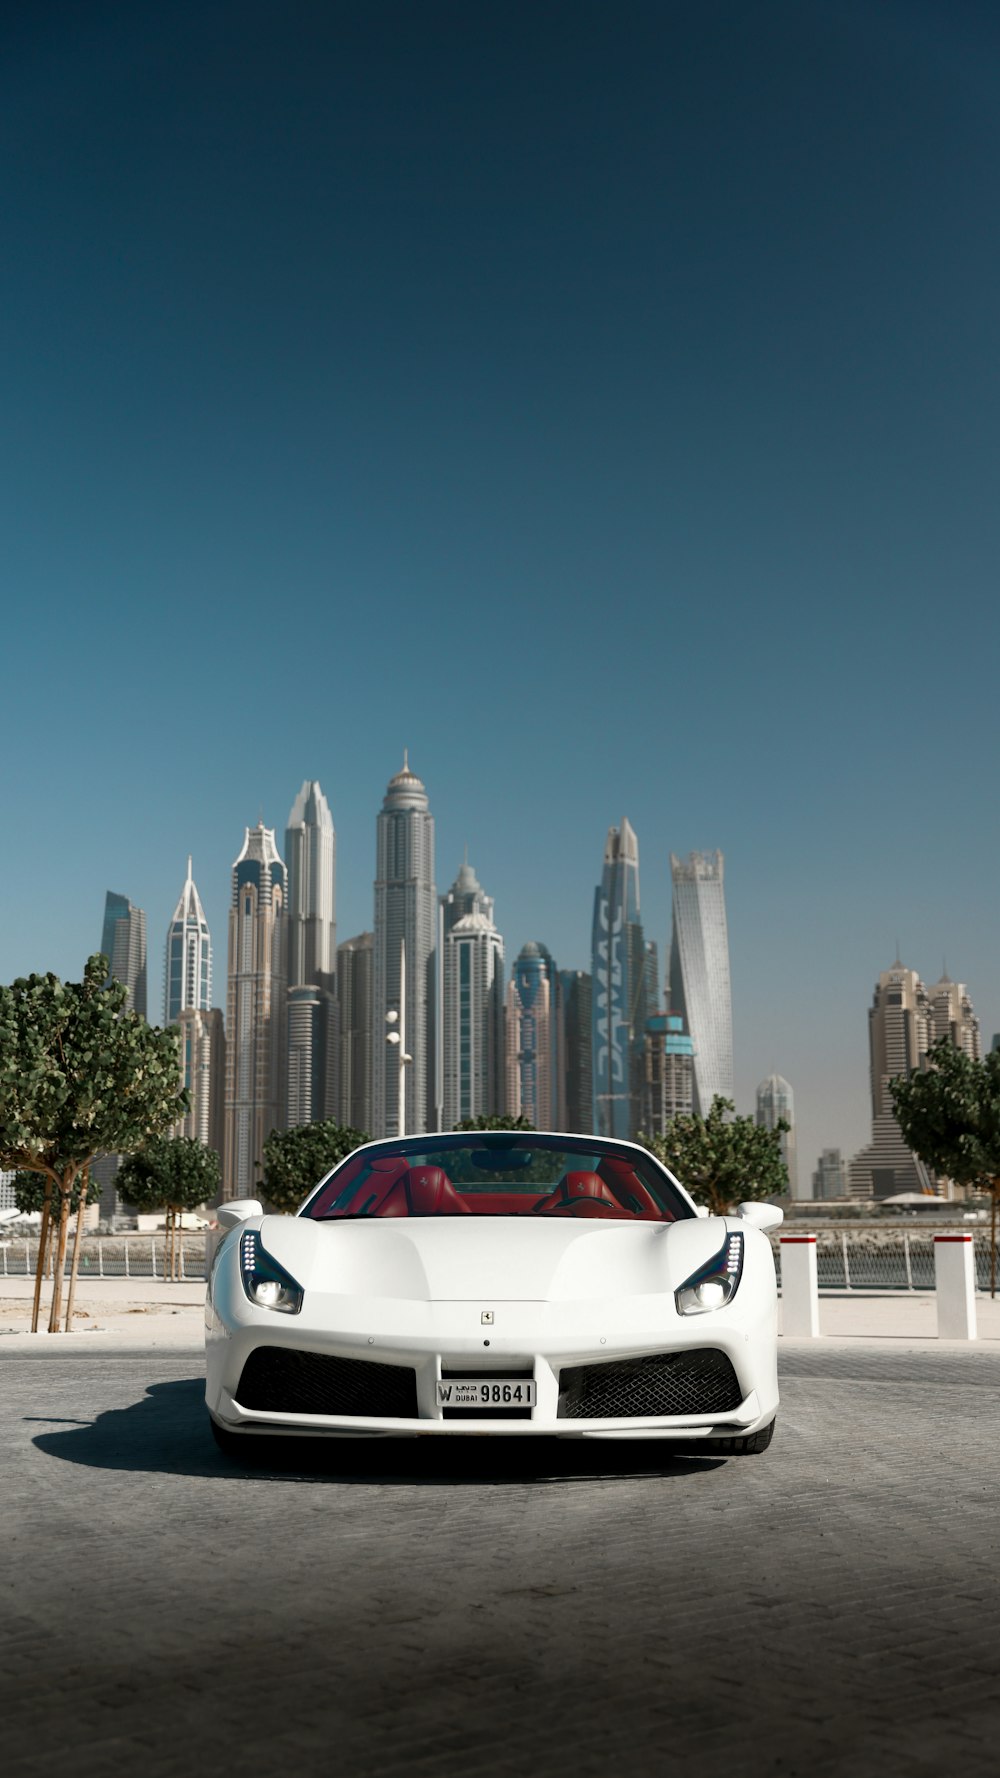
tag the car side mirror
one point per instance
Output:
(229, 1216)
(761, 1216)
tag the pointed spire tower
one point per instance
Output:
(188, 980)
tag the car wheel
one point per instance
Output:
(750, 1446)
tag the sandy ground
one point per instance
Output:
(149, 1312)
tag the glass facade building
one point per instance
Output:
(699, 972)
(255, 1048)
(532, 1046)
(619, 971)
(405, 912)
(188, 977)
(472, 1020)
(123, 942)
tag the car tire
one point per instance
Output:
(749, 1446)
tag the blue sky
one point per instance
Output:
(601, 402)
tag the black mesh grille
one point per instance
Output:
(699, 1382)
(279, 1380)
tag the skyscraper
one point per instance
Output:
(830, 1178)
(776, 1100)
(311, 950)
(699, 972)
(575, 1108)
(531, 1038)
(669, 1072)
(952, 1015)
(123, 942)
(255, 1052)
(619, 966)
(472, 1018)
(900, 1031)
(188, 975)
(405, 912)
(355, 1035)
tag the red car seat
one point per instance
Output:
(580, 1194)
(424, 1191)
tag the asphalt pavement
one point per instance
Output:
(401, 1608)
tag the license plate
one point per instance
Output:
(480, 1392)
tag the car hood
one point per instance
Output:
(504, 1259)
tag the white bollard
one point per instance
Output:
(955, 1287)
(799, 1288)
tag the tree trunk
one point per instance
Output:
(178, 1256)
(81, 1207)
(993, 1235)
(43, 1241)
(65, 1188)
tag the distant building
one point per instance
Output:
(668, 1072)
(531, 1038)
(699, 972)
(355, 1032)
(952, 1015)
(7, 1200)
(900, 1031)
(123, 942)
(619, 970)
(830, 1177)
(775, 1100)
(255, 1051)
(473, 1020)
(188, 972)
(405, 911)
(311, 953)
(203, 1071)
(575, 1108)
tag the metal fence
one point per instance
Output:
(843, 1262)
(890, 1262)
(111, 1256)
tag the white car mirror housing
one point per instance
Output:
(702, 1209)
(761, 1216)
(229, 1216)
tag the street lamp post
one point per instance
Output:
(399, 1037)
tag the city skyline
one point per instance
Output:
(624, 443)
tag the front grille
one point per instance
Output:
(280, 1380)
(667, 1383)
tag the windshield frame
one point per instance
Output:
(677, 1199)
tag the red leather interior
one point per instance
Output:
(579, 1194)
(628, 1188)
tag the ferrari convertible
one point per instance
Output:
(494, 1282)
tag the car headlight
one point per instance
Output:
(266, 1283)
(715, 1283)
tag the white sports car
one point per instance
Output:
(493, 1282)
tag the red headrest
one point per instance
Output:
(430, 1192)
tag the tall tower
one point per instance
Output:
(669, 1072)
(355, 1034)
(311, 950)
(575, 1108)
(405, 911)
(255, 1052)
(188, 978)
(472, 1015)
(699, 972)
(775, 1100)
(532, 1047)
(187, 1003)
(123, 942)
(953, 1016)
(619, 994)
(900, 1031)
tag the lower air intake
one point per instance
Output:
(667, 1383)
(280, 1380)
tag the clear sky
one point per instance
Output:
(599, 400)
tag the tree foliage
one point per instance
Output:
(169, 1173)
(29, 1192)
(295, 1160)
(723, 1159)
(949, 1113)
(494, 1123)
(80, 1075)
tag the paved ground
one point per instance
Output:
(831, 1607)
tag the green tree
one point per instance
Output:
(296, 1160)
(171, 1173)
(29, 1193)
(79, 1076)
(723, 1159)
(949, 1113)
(494, 1123)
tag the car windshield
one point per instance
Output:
(500, 1173)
